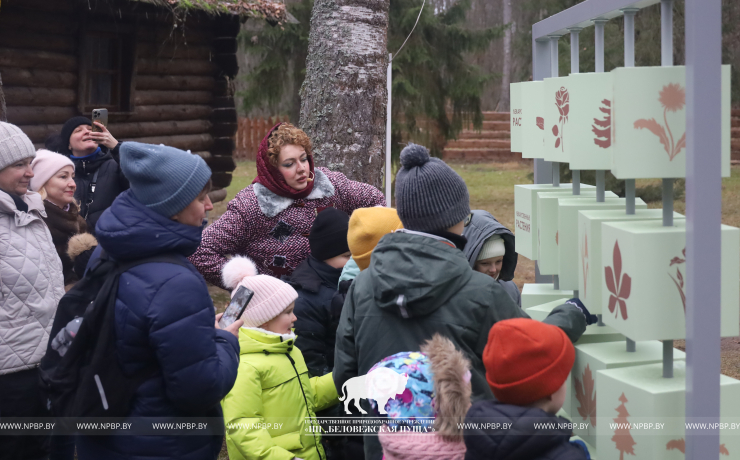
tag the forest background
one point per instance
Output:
(454, 66)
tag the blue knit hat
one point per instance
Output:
(429, 194)
(165, 179)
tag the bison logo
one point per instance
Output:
(381, 385)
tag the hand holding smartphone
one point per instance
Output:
(101, 116)
(237, 306)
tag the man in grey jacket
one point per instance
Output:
(419, 283)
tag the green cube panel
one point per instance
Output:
(593, 357)
(547, 227)
(534, 294)
(630, 395)
(645, 282)
(515, 101)
(532, 119)
(568, 258)
(649, 122)
(588, 131)
(590, 269)
(540, 312)
(593, 334)
(525, 210)
(556, 102)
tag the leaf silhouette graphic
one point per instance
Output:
(557, 143)
(602, 128)
(586, 396)
(723, 450)
(610, 280)
(676, 444)
(620, 289)
(622, 308)
(680, 145)
(679, 276)
(554, 130)
(617, 257)
(657, 129)
(625, 287)
(677, 260)
(541, 123)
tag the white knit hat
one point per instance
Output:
(493, 247)
(45, 165)
(271, 296)
(14, 145)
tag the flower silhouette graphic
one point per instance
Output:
(673, 99)
(619, 288)
(562, 102)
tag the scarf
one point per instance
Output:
(270, 177)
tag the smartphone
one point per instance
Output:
(101, 116)
(237, 306)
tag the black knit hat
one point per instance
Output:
(328, 237)
(68, 128)
(430, 196)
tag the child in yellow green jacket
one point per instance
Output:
(266, 411)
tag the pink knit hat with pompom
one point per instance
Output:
(271, 296)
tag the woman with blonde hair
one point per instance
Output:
(269, 221)
(54, 179)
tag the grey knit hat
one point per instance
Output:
(165, 179)
(429, 194)
(14, 145)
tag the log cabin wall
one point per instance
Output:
(181, 90)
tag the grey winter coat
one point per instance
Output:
(418, 285)
(481, 227)
(31, 283)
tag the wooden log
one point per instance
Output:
(221, 163)
(226, 115)
(223, 102)
(205, 155)
(38, 6)
(13, 57)
(175, 67)
(225, 45)
(38, 22)
(177, 37)
(39, 133)
(175, 82)
(192, 142)
(227, 63)
(19, 95)
(39, 115)
(39, 78)
(217, 196)
(221, 179)
(32, 41)
(224, 144)
(159, 128)
(163, 112)
(157, 97)
(223, 129)
(161, 51)
(223, 87)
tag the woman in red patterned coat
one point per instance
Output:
(269, 221)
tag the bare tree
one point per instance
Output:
(506, 78)
(343, 98)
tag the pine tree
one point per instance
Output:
(431, 79)
(622, 437)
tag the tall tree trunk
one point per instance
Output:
(343, 98)
(506, 79)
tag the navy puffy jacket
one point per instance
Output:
(165, 316)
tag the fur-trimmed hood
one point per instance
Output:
(271, 204)
(452, 390)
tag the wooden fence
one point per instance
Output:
(249, 134)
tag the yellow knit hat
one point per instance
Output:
(366, 227)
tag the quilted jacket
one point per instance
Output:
(273, 230)
(164, 316)
(31, 283)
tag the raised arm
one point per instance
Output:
(353, 194)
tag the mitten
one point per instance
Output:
(590, 319)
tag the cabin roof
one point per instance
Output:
(270, 10)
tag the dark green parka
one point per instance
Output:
(418, 285)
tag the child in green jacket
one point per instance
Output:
(266, 411)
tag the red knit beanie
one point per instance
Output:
(526, 360)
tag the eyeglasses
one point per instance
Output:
(468, 219)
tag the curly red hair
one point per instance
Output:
(286, 134)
